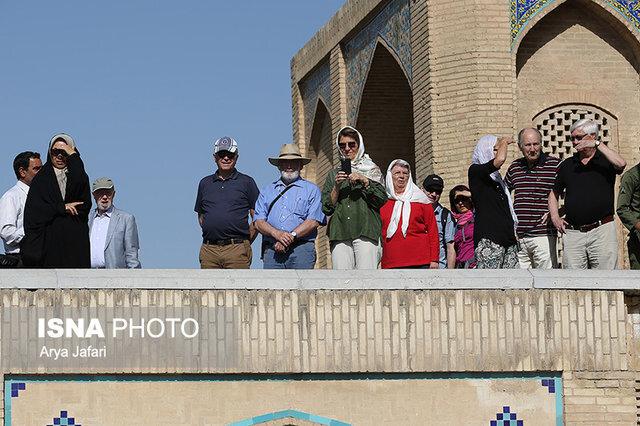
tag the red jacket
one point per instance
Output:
(419, 247)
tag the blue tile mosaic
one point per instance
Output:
(393, 25)
(523, 11)
(506, 418)
(550, 384)
(316, 86)
(64, 420)
(16, 387)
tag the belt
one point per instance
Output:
(591, 226)
(224, 242)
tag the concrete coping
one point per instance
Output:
(319, 279)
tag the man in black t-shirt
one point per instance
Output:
(587, 180)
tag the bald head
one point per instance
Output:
(530, 143)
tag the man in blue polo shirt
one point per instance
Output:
(288, 213)
(224, 202)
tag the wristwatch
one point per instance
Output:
(294, 234)
(597, 143)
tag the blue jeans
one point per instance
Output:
(302, 256)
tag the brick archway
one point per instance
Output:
(321, 151)
(605, 8)
(385, 115)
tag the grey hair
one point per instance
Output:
(401, 163)
(587, 125)
(521, 134)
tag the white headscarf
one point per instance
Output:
(362, 163)
(61, 174)
(402, 207)
(483, 153)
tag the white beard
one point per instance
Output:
(288, 177)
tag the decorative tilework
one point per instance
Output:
(506, 418)
(16, 387)
(393, 25)
(316, 86)
(64, 420)
(522, 11)
(293, 414)
(550, 384)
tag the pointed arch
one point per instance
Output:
(606, 9)
(385, 112)
(289, 414)
(320, 148)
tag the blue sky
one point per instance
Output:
(145, 87)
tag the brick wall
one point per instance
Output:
(385, 116)
(600, 398)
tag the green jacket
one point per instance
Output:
(629, 199)
(357, 212)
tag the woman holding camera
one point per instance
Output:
(352, 196)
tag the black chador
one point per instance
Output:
(57, 211)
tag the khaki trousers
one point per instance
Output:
(232, 256)
(596, 249)
(538, 252)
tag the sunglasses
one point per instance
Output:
(59, 153)
(461, 199)
(226, 154)
(352, 145)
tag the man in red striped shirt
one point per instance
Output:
(531, 178)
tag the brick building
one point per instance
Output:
(423, 80)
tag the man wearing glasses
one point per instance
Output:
(224, 202)
(587, 180)
(433, 186)
(531, 178)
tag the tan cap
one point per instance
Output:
(289, 151)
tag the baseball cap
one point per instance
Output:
(225, 143)
(102, 183)
(433, 182)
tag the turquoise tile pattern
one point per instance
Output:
(523, 11)
(289, 414)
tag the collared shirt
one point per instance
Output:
(629, 199)
(98, 237)
(531, 187)
(589, 188)
(301, 202)
(357, 212)
(445, 235)
(12, 216)
(225, 205)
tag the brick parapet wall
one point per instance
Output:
(393, 330)
(600, 398)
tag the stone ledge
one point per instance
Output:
(257, 279)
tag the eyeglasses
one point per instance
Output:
(59, 153)
(352, 145)
(435, 191)
(578, 137)
(226, 154)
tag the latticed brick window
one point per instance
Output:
(554, 124)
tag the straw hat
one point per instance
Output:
(289, 151)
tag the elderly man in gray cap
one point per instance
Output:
(113, 232)
(288, 213)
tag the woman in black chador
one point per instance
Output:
(57, 211)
